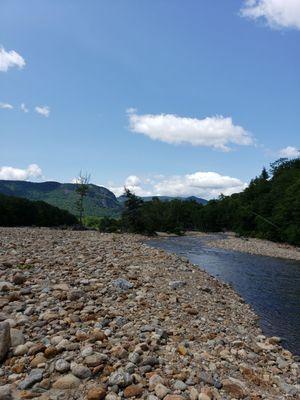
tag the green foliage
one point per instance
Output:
(269, 208)
(109, 225)
(16, 211)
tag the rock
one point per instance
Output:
(62, 365)
(35, 376)
(174, 397)
(19, 278)
(17, 337)
(51, 352)
(38, 359)
(235, 388)
(120, 378)
(203, 396)
(61, 286)
(182, 350)
(20, 350)
(177, 284)
(133, 391)
(80, 371)
(6, 392)
(122, 284)
(161, 390)
(66, 382)
(134, 357)
(37, 348)
(179, 385)
(96, 393)
(154, 380)
(5, 339)
(95, 359)
(5, 286)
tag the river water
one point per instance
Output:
(270, 285)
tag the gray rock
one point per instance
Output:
(122, 284)
(120, 378)
(177, 284)
(6, 393)
(17, 337)
(35, 376)
(179, 385)
(80, 371)
(5, 339)
(5, 286)
(62, 365)
(134, 357)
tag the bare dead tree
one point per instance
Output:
(82, 188)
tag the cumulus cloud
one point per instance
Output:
(277, 13)
(10, 59)
(43, 110)
(6, 106)
(289, 152)
(18, 174)
(217, 132)
(207, 185)
(24, 108)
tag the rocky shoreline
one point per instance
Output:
(93, 316)
(256, 246)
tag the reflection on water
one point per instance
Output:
(270, 285)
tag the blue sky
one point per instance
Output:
(168, 96)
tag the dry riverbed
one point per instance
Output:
(91, 316)
(256, 246)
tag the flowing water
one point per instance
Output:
(270, 285)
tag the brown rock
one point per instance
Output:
(5, 339)
(235, 388)
(96, 393)
(37, 348)
(133, 391)
(51, 352)
(182, 350)
(173, 397)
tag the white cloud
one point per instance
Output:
(11, 173)
(43, 110)
(10, 59)
(217, 132)
(24, 108)
(132, 180)
(277, 13)
(207, 185)
(289, 152)
(6, 106)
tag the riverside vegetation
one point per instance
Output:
(94, 316)
(269, 209)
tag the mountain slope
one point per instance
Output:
(99, 201)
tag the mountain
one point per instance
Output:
(98, 202)
(198, 200)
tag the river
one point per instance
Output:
(270, 285)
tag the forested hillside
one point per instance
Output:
(99, 201)
(15, 211)
(269, 208)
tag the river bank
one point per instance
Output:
(95, 316)
(229, 241)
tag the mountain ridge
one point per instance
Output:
(99, 201)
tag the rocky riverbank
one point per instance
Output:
(256, 246)
(91, 316)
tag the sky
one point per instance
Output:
(167, 97)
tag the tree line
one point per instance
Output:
(16, 211)
(268, 208)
